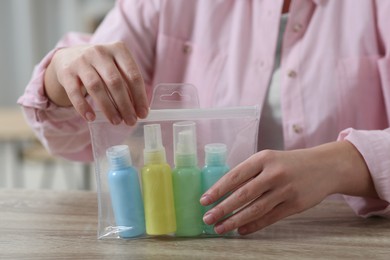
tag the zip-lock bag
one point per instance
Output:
(150, 176)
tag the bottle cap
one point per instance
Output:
(215, 154)
(154, 152)
(119, 157)
(184, 138)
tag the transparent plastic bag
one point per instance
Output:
(163, 192)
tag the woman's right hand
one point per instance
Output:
(108, 73)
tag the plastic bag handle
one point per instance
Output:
(174, 96)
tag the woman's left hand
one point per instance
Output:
(272, 185)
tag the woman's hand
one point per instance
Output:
(108, 73)
(272, 185)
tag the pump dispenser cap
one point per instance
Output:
(154, 152)
(215, 154)
(184, 138)
(119, 157)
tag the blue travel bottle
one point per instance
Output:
(125, 192)
(215, 167)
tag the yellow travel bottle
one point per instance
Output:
(157, 187)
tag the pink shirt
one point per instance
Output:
(335, 71)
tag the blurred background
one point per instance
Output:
(29, 29)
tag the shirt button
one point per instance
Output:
(292, 74)
(297, 27)
(187, 49)
(297, 128)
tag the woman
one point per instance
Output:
(320, 69)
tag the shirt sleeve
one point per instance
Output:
(374, 145)
(375, 149)
(61, 129)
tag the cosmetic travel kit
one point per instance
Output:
(150, 176)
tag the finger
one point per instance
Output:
(96, 89)
(75, 91)
(254, 210)
(236, 177)
(116, 88)
(135, 83)
(279, 212)
(242, 196)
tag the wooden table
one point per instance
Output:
(62, 225)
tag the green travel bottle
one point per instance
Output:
(187, 182)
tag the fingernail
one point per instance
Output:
(116, 120)
(205, 200)
(219, 229)
(208, 219)
(90, 116)
(131, 120)
(242, 231)
(143, 113)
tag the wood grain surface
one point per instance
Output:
(62, 225)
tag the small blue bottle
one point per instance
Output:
(215, 167)
(125, 192)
